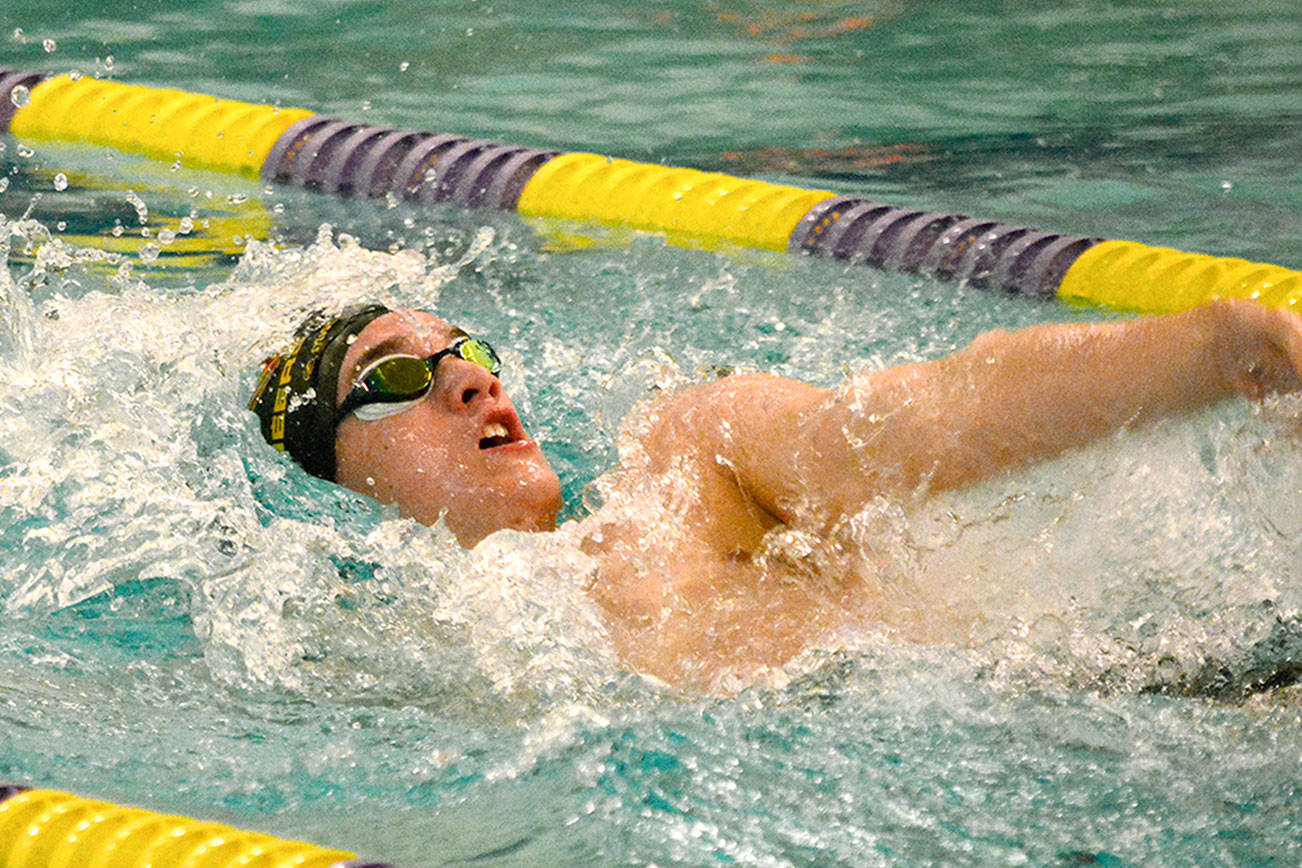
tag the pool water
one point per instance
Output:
(189, 623)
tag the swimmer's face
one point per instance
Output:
(459, 453)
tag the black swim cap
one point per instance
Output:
(295, 397)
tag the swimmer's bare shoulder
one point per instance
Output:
(683, 579)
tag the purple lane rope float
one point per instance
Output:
(332, 155)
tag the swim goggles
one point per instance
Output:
(395, 384)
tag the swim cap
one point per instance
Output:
(295, 397)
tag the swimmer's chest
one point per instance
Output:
(690, 603)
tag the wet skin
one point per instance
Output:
(461, 454)
(698, 573)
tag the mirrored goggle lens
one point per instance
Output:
(397, 378)
(478, 352)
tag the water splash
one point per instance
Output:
(18, 329)
(1131, 565)
(131, 457)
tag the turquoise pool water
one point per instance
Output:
(189, 624)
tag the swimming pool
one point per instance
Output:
(193, 626)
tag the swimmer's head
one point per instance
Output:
(416, 417)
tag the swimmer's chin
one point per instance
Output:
(533, 515)
(469, 538)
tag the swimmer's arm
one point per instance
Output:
(1007, 400)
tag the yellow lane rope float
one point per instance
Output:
(51, 829)
(332, 155)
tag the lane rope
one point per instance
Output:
(333, 155)
(52, 829)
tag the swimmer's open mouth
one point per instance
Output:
(495, 434)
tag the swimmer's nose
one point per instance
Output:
(461, 384)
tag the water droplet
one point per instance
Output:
(186, 226)
(20, 96)
(19, 36)
(366, 105)
(61, 225)
(60, 182)
(108, 63)
(50, 46)
(391, 199)
(1227, 185)
(470, 31)
(149, 253)
(24, 151)
(142, 211)
(4, 184)
(404, 66)
(166, 236)
(237, 198)
(74, 75)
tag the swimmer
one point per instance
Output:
(696, 589)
